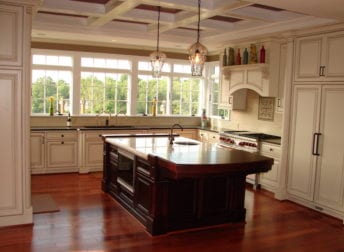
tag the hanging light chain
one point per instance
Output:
(158, 37)
(199, 20)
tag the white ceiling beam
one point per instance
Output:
(114, 11)
(185, 20)
(72, 7)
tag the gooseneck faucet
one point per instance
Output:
(171, 137)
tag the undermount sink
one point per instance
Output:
(185, 143)
(110, 127)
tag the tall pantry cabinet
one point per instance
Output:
(316, 149)
(15, 194)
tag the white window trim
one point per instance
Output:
(133, 76)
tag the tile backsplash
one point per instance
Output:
(248, 119)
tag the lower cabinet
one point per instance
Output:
(269, 180)
(208, 136)
(77, 151)
(54, 152)
(37, 152)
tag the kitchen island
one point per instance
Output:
(176, 186)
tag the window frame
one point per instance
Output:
(133, 77)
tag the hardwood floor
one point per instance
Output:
(89, 220)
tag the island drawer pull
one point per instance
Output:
(143, 170)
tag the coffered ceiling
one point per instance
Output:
(133, 23)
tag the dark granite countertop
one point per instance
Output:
(192, 160)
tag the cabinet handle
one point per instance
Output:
(62, 142)
(321, 72)
(315, 149)
(278, 102)
(230, 99)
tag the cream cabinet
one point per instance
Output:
(235, 101)
(61, 151)
(281, 79)
(15, 190)
(316, 150)
(11, 147)
(269, 180)
(208, 136)
(261, 77)
(12, 39)
(37, 152)
(319, 58)
(91, 148)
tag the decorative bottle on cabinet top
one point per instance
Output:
(224, 58)
(245, 57)
(262, 55)
(69, 120)
(238, 58)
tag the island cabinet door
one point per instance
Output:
(111, 167)
(222, 199)
(144, 183)
(182, 203)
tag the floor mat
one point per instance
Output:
(43, 203)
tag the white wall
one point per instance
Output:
(248, 119)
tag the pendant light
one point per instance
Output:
(197, 52)
(157, 57)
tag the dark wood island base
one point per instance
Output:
(166, 196)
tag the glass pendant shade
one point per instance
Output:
(197, 57)
(157, 60)
(197, 52)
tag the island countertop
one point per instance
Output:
(183, 161)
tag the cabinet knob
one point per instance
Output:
(271, 149)
(62, 142)
(62, 135)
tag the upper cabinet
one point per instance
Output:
(319, 58)
(11, 41)
(263, 78)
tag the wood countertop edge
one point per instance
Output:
(178, 171)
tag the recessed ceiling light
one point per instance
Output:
(178, 46)
(41, 34)
(113, 40)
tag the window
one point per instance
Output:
(215, 108)
(105, 63)
(51, 77)
(148, 88)
(83, 83)
(185, 96)
(103, 93)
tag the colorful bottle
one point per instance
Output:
(262, 55)
(238, 58)
(224, 58)
(245, 55)
(51, 107)
(69, 120)
(154, 107)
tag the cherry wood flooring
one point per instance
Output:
(89, 220)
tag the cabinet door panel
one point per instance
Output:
(308, 58)
(11, 168)
(61, 154)
(334, 69)
(11, 41)
(37, 152)
(305, 120)
(330, 179)
(94, 153)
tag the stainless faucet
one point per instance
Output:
(171, 137)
